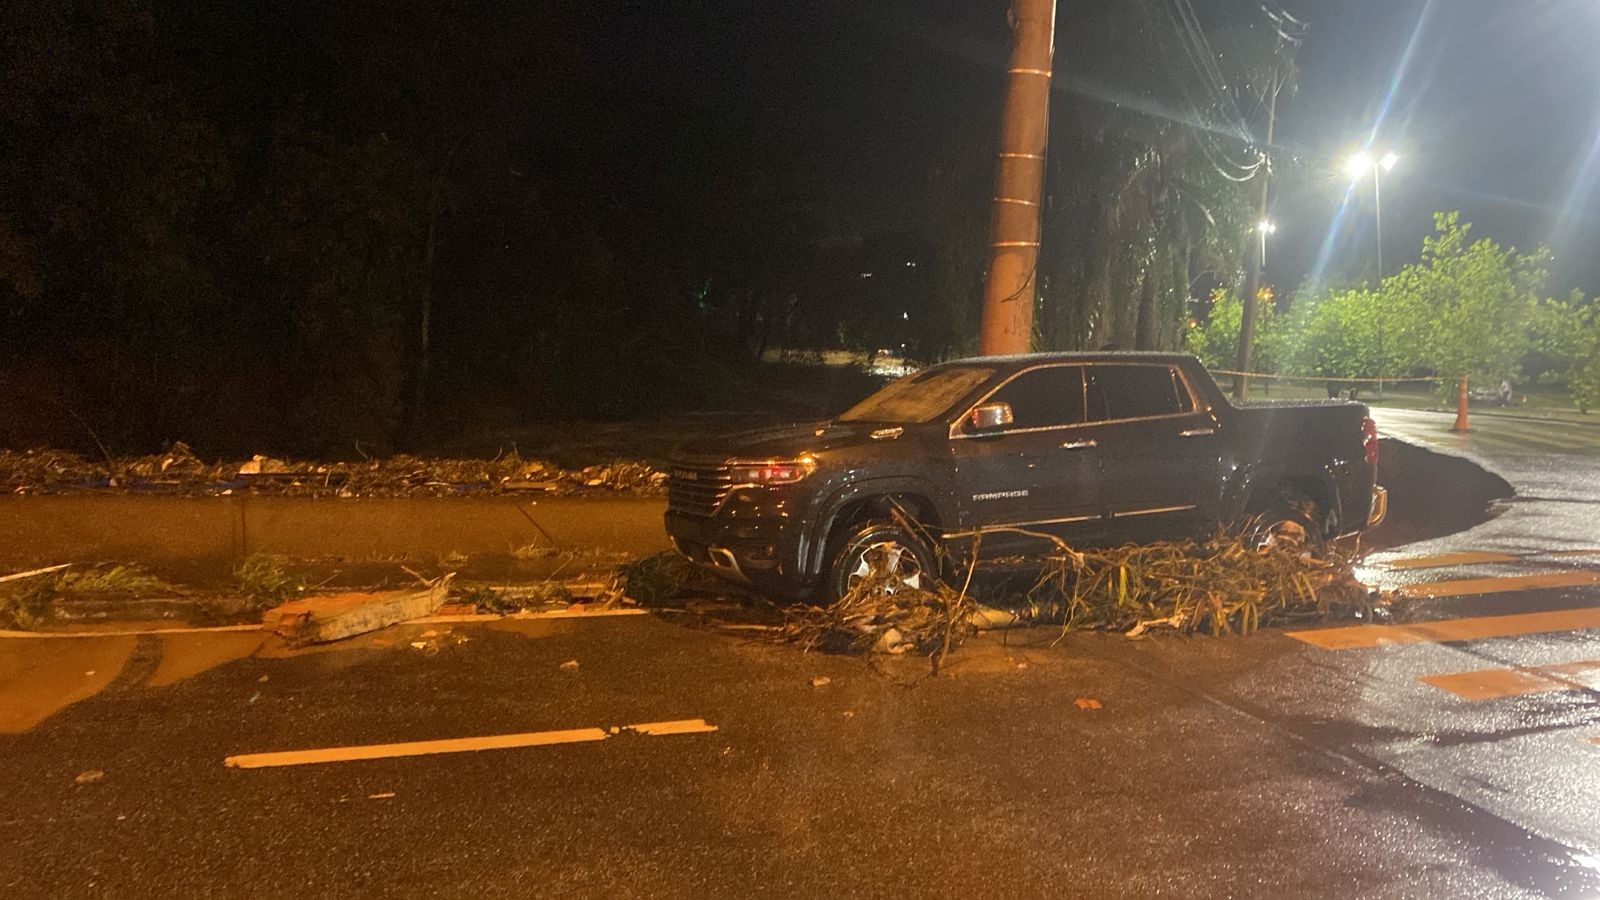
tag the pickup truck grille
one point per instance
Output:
(697, 490)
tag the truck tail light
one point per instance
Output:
(1369, 440)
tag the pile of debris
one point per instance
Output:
(179, 471)
(1219, 586)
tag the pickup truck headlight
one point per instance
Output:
(778, 471)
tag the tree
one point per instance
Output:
(1216, 340)
(1568, 333)
(1143, 191)
(341, 234)
(1335, 335)
(1465, 306)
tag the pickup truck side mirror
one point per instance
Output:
(989, 416)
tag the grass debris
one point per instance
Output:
(263, 581)
(30, 602)
(109, 580)
(1218, 586)
(666, 577)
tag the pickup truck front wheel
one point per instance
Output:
(1291, 522)
(881, 555)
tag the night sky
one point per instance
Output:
(1492, 106)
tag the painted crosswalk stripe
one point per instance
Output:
(1351, 637)
(459, 745)
(1465, 558)
(1504, 584)
(1492, 684)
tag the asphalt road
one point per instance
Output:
(1385, 760)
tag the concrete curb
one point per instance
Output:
(218, 532)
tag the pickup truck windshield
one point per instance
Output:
(918, 397)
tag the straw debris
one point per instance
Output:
(1218, 586)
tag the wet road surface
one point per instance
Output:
(1449, 752)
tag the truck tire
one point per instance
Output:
(1293, 520)
(875, 549)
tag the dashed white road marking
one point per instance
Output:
(1492, 684)
(1505, 584)
(1350, 637)
(459, 745)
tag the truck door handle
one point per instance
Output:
(1080, 445)
(1199, 432)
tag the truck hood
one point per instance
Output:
(785, 441)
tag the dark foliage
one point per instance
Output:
(290, 227)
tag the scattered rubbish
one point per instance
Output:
(1221, 586)
(179, 471)
(262, 679)
(89, 673)
(1087, 703)
(530, 485)
(383, 796)
(892, 640)
(849, 714)
(570, 665)
(315, 620)
(263, 465)
(821, 681)
(89, 777)
(419, 645)
(987, 618)
(1173, 621)
(254, 697)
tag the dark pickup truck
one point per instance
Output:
(1093, 448)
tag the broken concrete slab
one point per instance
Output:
(316, 620)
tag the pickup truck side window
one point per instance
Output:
(1044, 398)
(1135, 392)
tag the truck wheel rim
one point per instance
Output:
(889, 562)
(1283, 533)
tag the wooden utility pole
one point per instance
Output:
(1256, 252)
(1019, 182)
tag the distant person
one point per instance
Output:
(1505, 392)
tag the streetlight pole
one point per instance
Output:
(1377, 217)
(1357, 167)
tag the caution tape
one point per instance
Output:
(1384, 380)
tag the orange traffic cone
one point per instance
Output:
(1461, 406)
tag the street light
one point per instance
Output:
(1264, 228)
(1357, 167)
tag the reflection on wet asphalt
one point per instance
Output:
(1501, 718)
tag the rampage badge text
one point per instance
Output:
(1000, 495)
